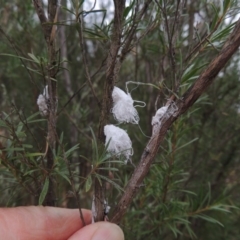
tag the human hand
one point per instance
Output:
(50, 223)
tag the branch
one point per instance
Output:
(70, 99)
(52, 9)
(171, 45)
(83, 48)
(64, 52)
(137, 18)
(41, 15)
(199, 47)
(112, 69)
(52, 69)
(183, 104)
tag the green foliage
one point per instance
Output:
(192, 189)
(44, 191)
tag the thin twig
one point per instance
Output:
(72, 182)
(136, 20)
(64, 53)
(112, 70)
(176, 20)
(171, 49)
(41, 15)
(100, 67)
(147, 31)
(70, 99)
(16, 49)
(52, 69)
(25, 123)
(84, 57)
(199, 47)
(76, 126)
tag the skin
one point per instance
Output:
(50, 223)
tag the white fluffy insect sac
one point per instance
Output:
(123, 109)
(42, 102)
(173, 108)
(94, 212)
(45, 92)
(42, 105)
(118, 142)
(106, 207)
(118, 94)
(159, 114)
(157, 119)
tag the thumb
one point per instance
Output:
(99, 231)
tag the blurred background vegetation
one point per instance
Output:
(192, 190)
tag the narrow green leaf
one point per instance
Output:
(11, 55)
(128, 9)
(32, 116)
(111, 182)
(34, 154)
(61, 138)
(68, 10)
(34, 70)
(221, 208)
(109, 169)
(188, 143)
(71, 150)
(187, 191)
(96, 11)
(88, 183)
(34, 58)
(21, 134)
(226, 5)
(37, 120)
(191, 72)
(209, 219)
(63, 175)
(27, 146)
(44, 191)
(29, 172)
(94, 146)
(87, 159)
(15, 149)
(2, 123)
(215, 17)
(20, 127)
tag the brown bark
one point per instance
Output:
(111, 75)
(64, 52)
(183, 104)
(49, 31)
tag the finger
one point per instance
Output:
(99, 231)
(47, 223)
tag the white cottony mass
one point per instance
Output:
(123, 109)
(118, 141)
(159, 114)
(157, 119)
(42, 102)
